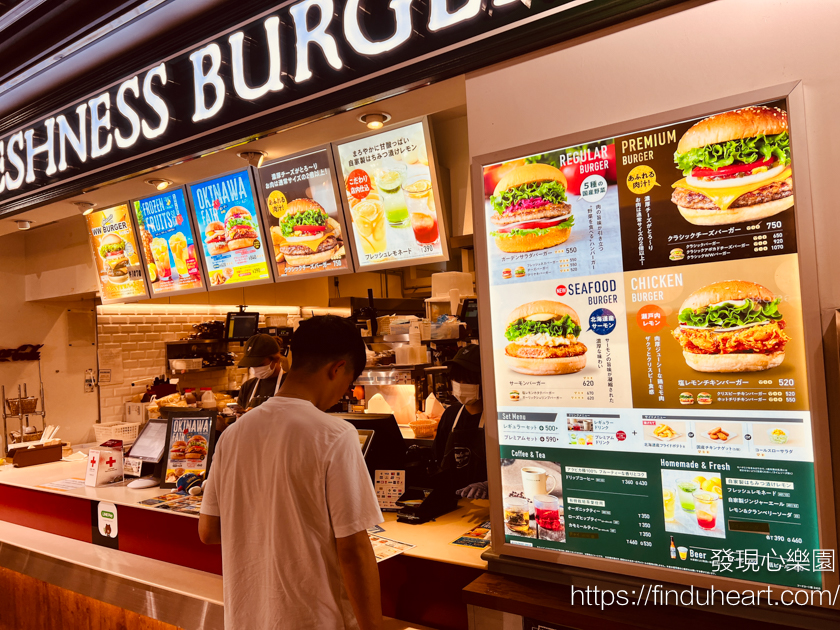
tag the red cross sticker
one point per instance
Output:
(111, 461)
(93, 462)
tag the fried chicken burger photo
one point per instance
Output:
(737, 166)
(530, 207)
(732, 326)
(543, 338)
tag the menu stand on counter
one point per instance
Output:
(8, 405)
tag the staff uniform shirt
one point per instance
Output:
(287, 480)
(265, 389)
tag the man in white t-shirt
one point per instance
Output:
(289, 498)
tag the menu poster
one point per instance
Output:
(649, 349)
(121, 277)
(167, 243)
(234, 247)
(392, 197)
(301, 210)
(189, 447)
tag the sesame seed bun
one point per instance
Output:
(529, 173)
(532, 242)
(727, 290)
(747, 122)
(543, 307)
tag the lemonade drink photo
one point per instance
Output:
(423, 215)
(669, 501)
(369, 223)
(160, 252)
(178, 245)
(686, 490)
(389, 182)
(706, 506)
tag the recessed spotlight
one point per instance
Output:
(375, 120)
(85, 207)
(24, 225)
(254, 158)
(160, 184)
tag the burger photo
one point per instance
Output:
(112, 252)
(306, 234)
(239, 228)
(214, 237)
(732, 326)
(530, 209)
(543, 338)
(177, 450)
(737, 166)
(196, 447)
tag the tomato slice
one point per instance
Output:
(732, 169)
(310, 228)
(534, 225)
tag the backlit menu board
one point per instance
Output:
(302, 211)
(233, 244)
(392, 199)
(167, 242)
(649, 351)
(115, 253)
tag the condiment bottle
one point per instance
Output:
(208, 400)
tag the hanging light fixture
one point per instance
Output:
(254, 158)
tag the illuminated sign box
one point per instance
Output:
(167, 242)
(301, 209)
(392, 197)
(234, 248)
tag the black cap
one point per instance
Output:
(468, 357)
(257, 349)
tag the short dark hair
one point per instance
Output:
(319, 341)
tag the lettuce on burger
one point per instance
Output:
(530, 207)
(737, 167)
(543, 338)
(732, 326)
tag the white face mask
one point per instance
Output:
(263, 371)
(464, 393)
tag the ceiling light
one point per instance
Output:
(85, 207)
(375, 120)
(254, 158)
(24, 225)
(160, 184)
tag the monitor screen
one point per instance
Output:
(241, 326)
(151, 441)
(388, 450)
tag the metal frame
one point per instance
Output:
(205, 267)
(348, 217)
(340, 217)
(191, 220)
(806, 253)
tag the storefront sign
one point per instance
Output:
(392, 197)
(280, 59)
(115, 252)
(167, 243)
(302, 212)
(651, 382)
(234, 248)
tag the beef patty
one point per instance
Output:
(549, 211)
(698, 201)
(302, 250)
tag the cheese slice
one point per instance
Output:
(725, 197)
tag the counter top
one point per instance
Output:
(432, 540)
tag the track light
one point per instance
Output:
(160, 184)
(85, 207)
(254, 158)
(24, 225)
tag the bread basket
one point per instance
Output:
(29, 405)
(423, 428)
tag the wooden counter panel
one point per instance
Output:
(425, 591)
(30, 604)
(549, 602)
(51, 513)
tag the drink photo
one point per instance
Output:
(686, 491)
(178, 245)
(517, 517)
(369, 222)
(535, 480)
(389, 181)
(533, 499)
(549, 516)
(669, 501)
(160, 252)
(693, 505)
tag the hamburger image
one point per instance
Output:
(306, 234)
(732, 326)
(737, 167)
(239, 228)
(543, 338)
(506, 273)
(214, 237)
(686, 398)
(196, 447)
(177, 450)
(530, 207)
(112, 252)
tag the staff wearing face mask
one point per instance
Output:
(264, 356)
(459, 448)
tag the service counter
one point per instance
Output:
(161, 570)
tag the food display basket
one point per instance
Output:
(125, 431)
